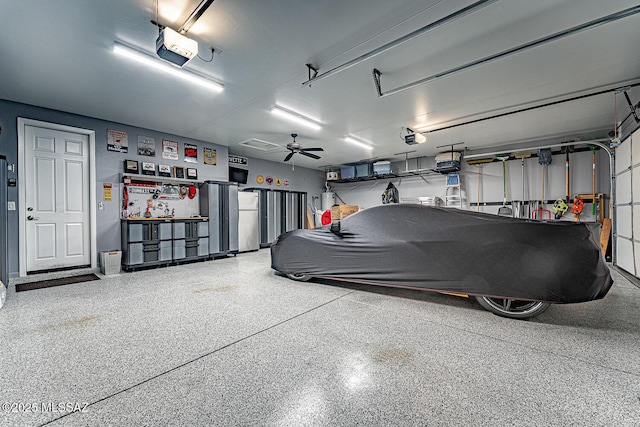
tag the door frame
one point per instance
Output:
(22, 190)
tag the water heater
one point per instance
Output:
(328, 200)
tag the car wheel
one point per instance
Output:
(512, 308)
(299, 277)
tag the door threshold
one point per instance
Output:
(49, 275)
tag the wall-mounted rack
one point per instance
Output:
(159, 179)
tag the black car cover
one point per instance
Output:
(451, 250)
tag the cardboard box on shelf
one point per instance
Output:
(342, 211)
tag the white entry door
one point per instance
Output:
(57, 200)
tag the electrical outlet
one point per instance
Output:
(11, 206)
(101, 206)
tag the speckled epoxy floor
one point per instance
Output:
(229, 342)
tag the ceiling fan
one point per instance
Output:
(295, 147)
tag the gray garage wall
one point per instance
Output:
(368, 193)
(109, 166)
(299, 179)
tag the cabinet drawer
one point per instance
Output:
(134, 254)
(179, 249)
(166, 250)
(179, 230)
(135, 232)
(203, 229)
(203, 246)
(166, 231)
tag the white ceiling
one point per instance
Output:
(57, 54)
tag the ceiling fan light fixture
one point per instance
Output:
(352, 140)
(295, 117)
(157, 64)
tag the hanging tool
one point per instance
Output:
(544, 159)
(560, 207)
(576, 209)
(504, 210)
(566, 174)
(593, 179)
(522, 210)
(479, 163)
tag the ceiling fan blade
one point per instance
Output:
(313, 156)
(312, 149)
(289, 156)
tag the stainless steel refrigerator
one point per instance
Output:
(248, 226)
(219, 202)
(4, 260)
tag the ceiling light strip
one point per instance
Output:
(352, 140)
(295, 117)
(152, 62)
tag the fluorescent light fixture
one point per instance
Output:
(350, 139)
(295, 117)
(160, 65)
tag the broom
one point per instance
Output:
(504, 210)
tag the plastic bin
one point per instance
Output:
(382, 167)
(348, 172)
(110, 262)
(363, 170)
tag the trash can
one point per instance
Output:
(110, 262)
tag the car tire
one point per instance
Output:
(513, 309)
(299, 277)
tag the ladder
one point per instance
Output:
(453, 191)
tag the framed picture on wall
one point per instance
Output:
(131, 166)
(148, 168)
(178, 172)
(192, 173)
(164, 170)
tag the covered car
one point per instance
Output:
(453, 251)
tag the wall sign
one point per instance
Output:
(117, 141)
(178, 172)
(169, 149)
(210, 157)
(260, 179)
(191, 153)
(131, 166)
(238, 160)
(107, 192)
(148, 168)
(192, 173)
(146, 146)
(164, 170)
